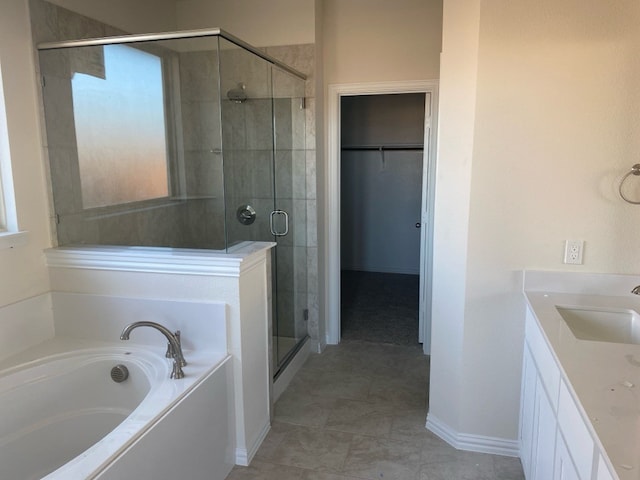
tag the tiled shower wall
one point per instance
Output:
(52, 23)
(202, 147)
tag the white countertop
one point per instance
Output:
(604, 376)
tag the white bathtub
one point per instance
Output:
(63, 417)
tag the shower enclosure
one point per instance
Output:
(183, 140)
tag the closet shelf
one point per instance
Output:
(404, 146)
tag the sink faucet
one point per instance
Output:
(636, 290)
(174, 349)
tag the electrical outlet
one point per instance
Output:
(573, 251)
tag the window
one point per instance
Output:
(9, 234)
(119, 114)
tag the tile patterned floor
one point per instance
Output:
(357, 412)
(379, 307)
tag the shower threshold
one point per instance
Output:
(290, 355)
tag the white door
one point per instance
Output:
(424, 316)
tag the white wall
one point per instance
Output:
(22, 270)
(556, 126)
(260, 23)
(381, 40)
(458, 70)
(558, 114)
(25, 324)
(139, 16)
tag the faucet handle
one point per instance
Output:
(176, 355)
(179, 357)
(170, 353)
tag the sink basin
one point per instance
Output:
(602, 324)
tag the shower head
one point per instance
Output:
(238, 94)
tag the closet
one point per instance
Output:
(381, 165)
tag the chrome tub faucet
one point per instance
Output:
(174, 348)
(636, 290)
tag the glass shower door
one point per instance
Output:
(290, 327)
(264, 177)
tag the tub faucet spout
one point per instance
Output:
(174, 349)
(636, 290)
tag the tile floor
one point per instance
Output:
(377, 306)
(357, 411)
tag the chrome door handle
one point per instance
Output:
(286, 223)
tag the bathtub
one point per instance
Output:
(63, 417)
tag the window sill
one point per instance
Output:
(12, 239)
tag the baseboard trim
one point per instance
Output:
(244, 457)
(473, 443)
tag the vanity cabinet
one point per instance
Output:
(555, 441)
(538, 425)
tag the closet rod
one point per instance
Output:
(383, 147)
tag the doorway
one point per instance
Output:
(333, 262)
(381, 165)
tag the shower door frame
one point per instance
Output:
(286, 220)
(332, 213)
(176, 35)
(281, 362)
